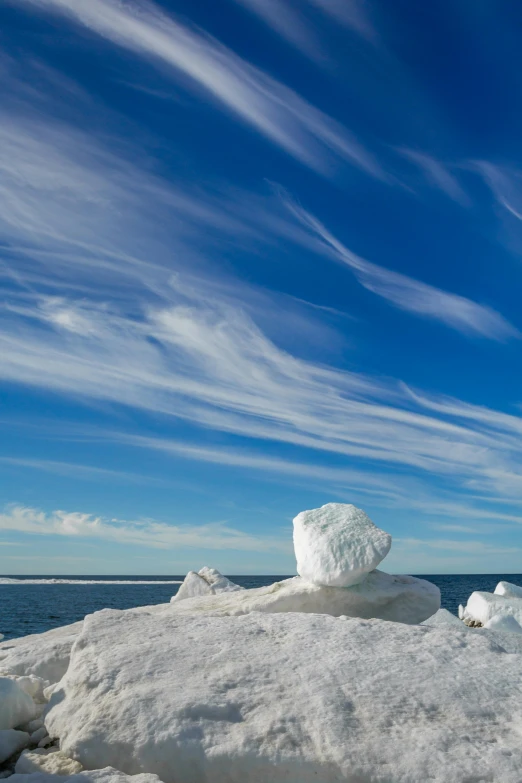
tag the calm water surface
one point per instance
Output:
(32, 608)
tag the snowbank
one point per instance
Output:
(289, 697)
(337, 545)
(505, 623)
(44, 655)
(402, 599)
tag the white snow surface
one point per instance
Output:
(44, 655)
(508, 590)
(11, 741)
(483, 606)
(16, 706)
(504, 623)
(403, 599)
(443, 617)
(289, 697)
(107, 775)
(337, 545)
(219, 583)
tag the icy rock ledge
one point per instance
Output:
(289, 697)
(337, 545)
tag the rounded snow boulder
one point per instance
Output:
(337, 545)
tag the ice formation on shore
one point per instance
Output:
(327, 677)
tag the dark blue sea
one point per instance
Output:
(27, 607)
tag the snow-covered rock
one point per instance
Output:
(337, 545)
(505, 623)
(16, 706)
(508, 590)
(443, 617)
(403, 599)
(52, 761)
(107, 775)
(482, 606)
(11, 741)
(289, 697)
(207, 581)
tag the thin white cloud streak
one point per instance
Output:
(437, 174)
(86, 472)
(289, 22)
(505, 184)
(274, 110)
(144, 533)
(412, 295)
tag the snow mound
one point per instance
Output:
(207, 581)
(482, 606)
(337, 545)
(443, 617)
(403, 599)
(508, 590)
(107, 775)
(12, 741)
(504, 623)
(16, 706)
(289, 697)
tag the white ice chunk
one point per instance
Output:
(403, 599)
(508, 590)
(44, 655)
(289, 697)
(208, 581)
(337, 545)
(483, 606)
(16, 706)
(193, 585)
(11, 741)
(217, 581)
(461, 612)
(505, 623)
(52, 761)
(443, 617)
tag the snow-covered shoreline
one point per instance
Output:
(365, 682)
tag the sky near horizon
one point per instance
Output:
(257, 256)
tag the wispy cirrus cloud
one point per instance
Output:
(412, 295)
(274, 110)
(292, 23)
(144, 533)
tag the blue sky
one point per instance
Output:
(257, 256)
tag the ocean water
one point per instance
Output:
(36, 604)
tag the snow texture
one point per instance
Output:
(44, 655)
(337, 545)
(12, 741)
(16, 706)
(208, 581)
(107, 775)
(443, 617)
(52, 761)
(289, 697)
(508, 590)
(505, 623)
(483, 606)
(403, 599)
